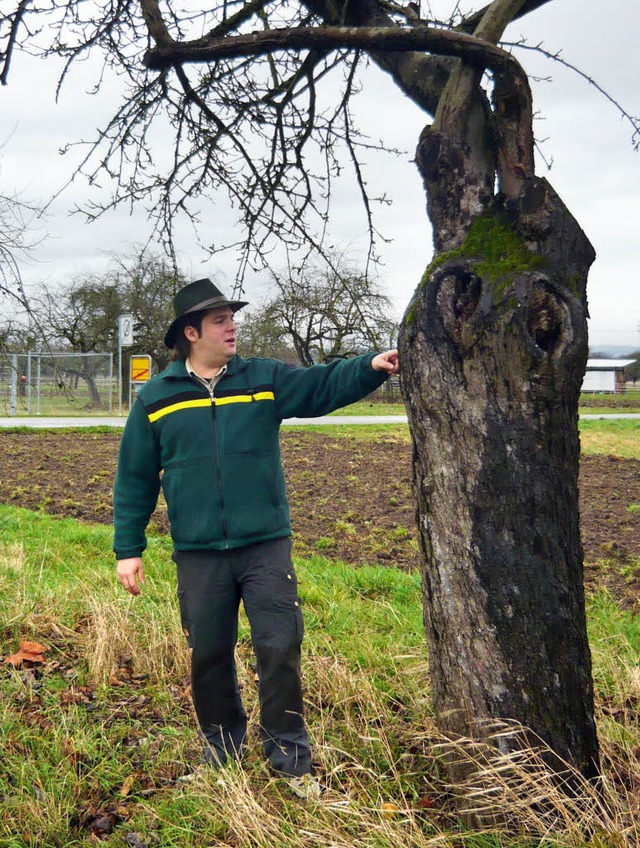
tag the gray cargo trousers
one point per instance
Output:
(211, 585)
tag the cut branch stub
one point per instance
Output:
(547, 227)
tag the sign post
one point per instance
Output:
(125, 338)
(139, 371)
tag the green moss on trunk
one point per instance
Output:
(497, 251)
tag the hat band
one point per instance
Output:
(210, 301)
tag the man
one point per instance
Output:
(207, 430)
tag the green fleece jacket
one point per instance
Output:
(218, 459)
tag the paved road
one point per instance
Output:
(35, 421)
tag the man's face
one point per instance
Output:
(216, 343)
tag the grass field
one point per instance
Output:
(620, 437)
(60, 404)
(623, 403)
(97, 736)
(78, 404)
(615, 438)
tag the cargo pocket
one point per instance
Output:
(288, 612)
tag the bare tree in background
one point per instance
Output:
(494, 341)
(146, 283)
(81, 313)
(257, 336)
(330, 312)
(17, 239)
(81, 317)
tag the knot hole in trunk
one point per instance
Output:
(458, 298)
(547, 320)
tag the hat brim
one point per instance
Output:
(213, 303)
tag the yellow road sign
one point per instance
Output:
(140, 369)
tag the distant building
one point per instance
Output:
(605, 375)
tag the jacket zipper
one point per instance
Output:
(216, 446)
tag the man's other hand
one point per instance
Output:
(387, 361)
(129, 572)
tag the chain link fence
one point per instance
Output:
(82, 384)
(389, 391)
(57, 384)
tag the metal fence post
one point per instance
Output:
(110, 384)
(119, 376)
(13, 385)
(29, 382)
(39, 382)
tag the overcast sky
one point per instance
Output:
(595, 169)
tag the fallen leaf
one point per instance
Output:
(30, 652)
(126, 786)
(135, 840)
(79, 695)
(33, 647)
(390, 810)
(30, 656)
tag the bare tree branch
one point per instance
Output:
(16, 21)
(470, 23)
(475, 51)
(155, 23)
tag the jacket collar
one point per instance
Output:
(177, 370)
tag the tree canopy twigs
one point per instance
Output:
(251, 120)
(17, 238)
(634, 121)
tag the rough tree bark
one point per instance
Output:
(493, 349)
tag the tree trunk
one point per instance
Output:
(493, 349)
(88, 377)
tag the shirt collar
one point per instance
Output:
(193, 373)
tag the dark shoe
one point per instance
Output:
(211, 757)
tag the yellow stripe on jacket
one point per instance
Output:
(193, 404)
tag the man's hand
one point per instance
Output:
(387, 361)
(129, 572)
